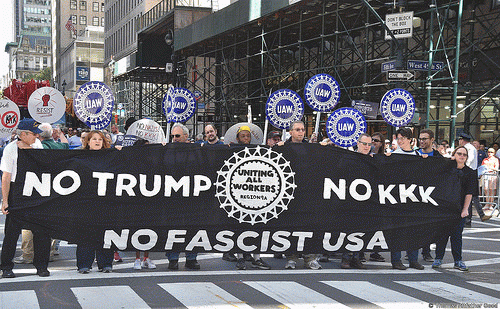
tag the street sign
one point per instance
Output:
(389, 65)
(400, 24)
(393, 76)
(419, 65)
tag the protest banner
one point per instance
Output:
(185, 197)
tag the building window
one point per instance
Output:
(83, 20)
(102, 7)
(102, 21)
(44, 61)
(74, 19)
(83, 5)
(95, 21)
(95, 6)
(73, 5)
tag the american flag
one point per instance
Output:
(69, 25)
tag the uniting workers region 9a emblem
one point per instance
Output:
(283, 107)
(397, 107)
(322, 92)
(345, 125)
(255, 185)
(93, 104)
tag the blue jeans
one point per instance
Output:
(175, 256)
(456, 242)
(396, 256)
(85, 257)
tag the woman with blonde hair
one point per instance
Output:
(85, 256)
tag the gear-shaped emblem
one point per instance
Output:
(255, 185)
(322, 92)
(397, 107)
(93, 104)
(179, 105)
(345, 125)
(283, 107)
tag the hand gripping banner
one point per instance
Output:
(184, 197)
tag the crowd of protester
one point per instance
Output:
(469, 155)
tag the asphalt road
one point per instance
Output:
(219, 285)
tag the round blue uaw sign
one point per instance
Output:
(397, 107)
(93, 104)
(344, 126)
(322, 92)
(180, 106)
(283, 107)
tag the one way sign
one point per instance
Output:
(400, 76)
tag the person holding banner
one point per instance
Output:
(211, 136)
(26, 132)
(297, 135)
(404, 137)
(85, 256)
(469, 188)
(180, 134)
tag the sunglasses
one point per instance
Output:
(366, 144)
(175, 135)
(424, 138)
(376, 140)
(462, 154)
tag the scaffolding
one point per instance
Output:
(346, 39)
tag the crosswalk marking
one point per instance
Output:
(19, 299)
(108, 297)
(451, 292)
(206, 295)
(491, 286)
(377, 295)
(294, 295)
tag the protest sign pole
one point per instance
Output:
(318, 120)
(266, 124)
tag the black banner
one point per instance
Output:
(187, 197)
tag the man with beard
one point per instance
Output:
(211, 135)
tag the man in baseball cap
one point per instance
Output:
(26, 131)
(273, 138)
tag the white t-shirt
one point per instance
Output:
(412, 152)
(9, 158)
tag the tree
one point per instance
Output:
(45, 74)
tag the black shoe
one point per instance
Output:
(260, 264)
(362, 257)
(399, 265)
(43, 272)
(428, 257)
(416, 265)
(173, 264)
(8, 273)
(376, 257)
(248, 257)
(355, 263)
(229, 257)
(192, 264)
(241, 264)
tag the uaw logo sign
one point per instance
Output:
(255, 185)
(9, 117)
(322, 92)
(283, 107)
(397, 107)
(179, 105)
(345, 125)
(93, 104)
(46, 104)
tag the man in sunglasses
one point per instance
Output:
(180, 134)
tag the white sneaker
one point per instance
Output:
(290, 264)
(137, 264)
(313, 265)
(147, 263)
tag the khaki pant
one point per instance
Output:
(28, 248)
